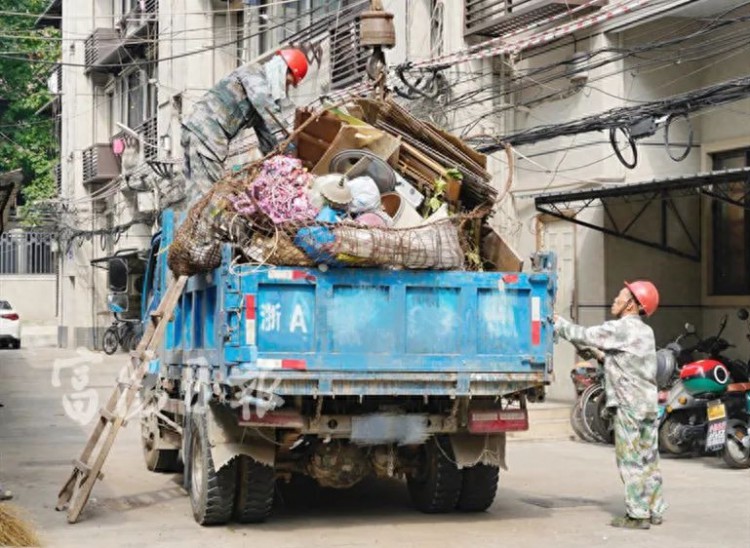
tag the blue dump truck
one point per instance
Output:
(267, 373)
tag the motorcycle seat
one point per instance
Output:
(739, 387)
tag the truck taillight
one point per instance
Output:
(12, 317)
(482, 422)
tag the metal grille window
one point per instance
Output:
(730, 232)
(26, 253)
(348, 58)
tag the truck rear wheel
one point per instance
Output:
(157, 460)
(255, 489)
(478, 488)
(211, 492)
(436, 486)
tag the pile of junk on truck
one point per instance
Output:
(349, 313)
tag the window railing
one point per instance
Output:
(495, 18)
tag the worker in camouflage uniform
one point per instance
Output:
(240, 100)
(630, 386)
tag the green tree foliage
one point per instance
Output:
(27, 140)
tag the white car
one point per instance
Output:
(10, 326)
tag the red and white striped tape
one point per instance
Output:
(250, 319)
(289, 275)
(299, 365)
(536, 321)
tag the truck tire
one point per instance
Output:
(255, 490)
(157, 460)
(478, 488)
(436, 486)
(211, 492)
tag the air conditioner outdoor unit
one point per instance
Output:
(100, 46)
(99, 164)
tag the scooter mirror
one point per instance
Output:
(743, 314)
(689, 328)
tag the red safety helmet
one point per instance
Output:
(646, 294)
(296, 61)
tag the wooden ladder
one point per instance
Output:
(88, 468)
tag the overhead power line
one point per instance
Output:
(625, 117)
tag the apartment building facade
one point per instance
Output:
(132, 68)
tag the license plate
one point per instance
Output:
(716, 411)
(716, 433)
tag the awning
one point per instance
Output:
(719, 185)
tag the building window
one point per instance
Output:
(730, 232)
(138, 96)
(301, 14)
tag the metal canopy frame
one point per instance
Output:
(714, 184)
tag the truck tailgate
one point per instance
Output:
(376, 321)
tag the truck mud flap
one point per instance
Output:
(227, 439)
(472, 449)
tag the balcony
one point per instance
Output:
(51, 16)
(495, 18)
(100, 164)
(140, 19)
(108, 51)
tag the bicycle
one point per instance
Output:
(122, 333)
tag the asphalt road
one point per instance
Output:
(556, 493)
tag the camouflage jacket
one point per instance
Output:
(238, 101)
(629, 362)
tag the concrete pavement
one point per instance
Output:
(559, 493)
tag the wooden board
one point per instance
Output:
(498, 255)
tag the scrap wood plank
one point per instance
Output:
(77, 489)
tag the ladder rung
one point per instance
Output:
(107, 414)
(85, 468)
(124, 385)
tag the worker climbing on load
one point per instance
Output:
(240, 100)
(245, 98)
(630, 381)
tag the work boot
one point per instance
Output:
(626, 522)
(657, 520)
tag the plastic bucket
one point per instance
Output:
(402, 213)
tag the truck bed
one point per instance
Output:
(367, 332)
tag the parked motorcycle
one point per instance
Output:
(693, 415)
(736, 452)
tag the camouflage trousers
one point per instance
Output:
(201, 168)
(637, 451)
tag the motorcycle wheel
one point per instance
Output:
(603, 423)
(110, 341)
(590, 406)
(735, 454)
(665, 437)
(576, 422)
